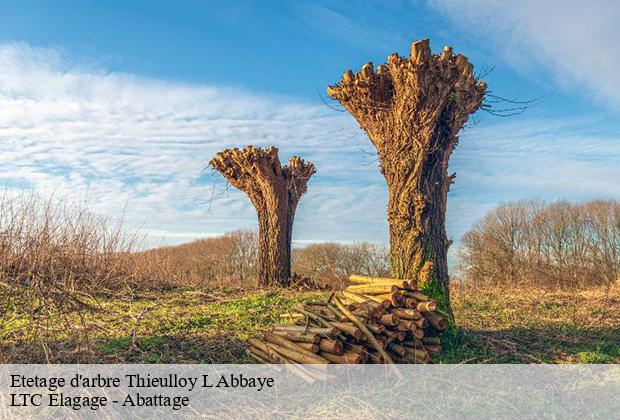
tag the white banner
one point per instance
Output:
(310, 391)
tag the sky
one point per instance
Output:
(122, 103)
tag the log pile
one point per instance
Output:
(375, 320)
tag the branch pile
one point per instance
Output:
(375, 320)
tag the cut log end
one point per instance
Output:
(421, 51)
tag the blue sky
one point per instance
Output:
(124, 102)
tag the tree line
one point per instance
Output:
(556, 245)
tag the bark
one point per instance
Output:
(330, 332)
(311, 347)
(389, 320)
(371, 289)
(349, 329)
(274, 356)
(299, 337)
(429, 341)
(348, 357)
(275, 191)
(293, 351)
(259, 354)
(331, 346)
(406, 313)
(412, 109)
(354, 297)
(359, 324)
(398, 349)
(426, 306)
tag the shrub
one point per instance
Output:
(225, 260)
(332, 263)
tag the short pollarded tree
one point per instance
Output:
(412, 109)
(275, 191)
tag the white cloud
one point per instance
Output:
(577, 41)
(143, 144)
(140, 146)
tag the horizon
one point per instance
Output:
(129, 114)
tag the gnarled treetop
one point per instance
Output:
(247, 168)
(412, 94)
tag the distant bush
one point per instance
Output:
(231, 259)
(225, 260)
(332, 263)
(558, 245)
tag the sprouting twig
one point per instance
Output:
(134, 334)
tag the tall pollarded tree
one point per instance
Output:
(275, 191)
(412, 109)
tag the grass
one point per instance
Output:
(500, 325)
(195, 325)
(176, 326)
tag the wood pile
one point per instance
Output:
(375, 320)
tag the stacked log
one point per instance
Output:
(374, 320)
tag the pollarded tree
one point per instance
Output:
(412, 109)
(275, 191)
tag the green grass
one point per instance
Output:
(211, 326)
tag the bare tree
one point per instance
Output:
(412, 110)
(275, 191)
(558, 245)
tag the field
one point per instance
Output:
(196, 325)
(72, 290)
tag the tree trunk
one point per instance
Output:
(416, 218)
(275, 192)
(418, 185)
(273, 256)
(412, 110)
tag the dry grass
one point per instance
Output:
(50, 246)
(173, 326)
(530, 325)
(57, 261)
